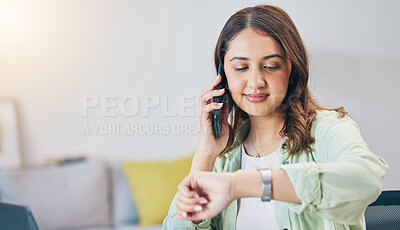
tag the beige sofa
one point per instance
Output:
(82, 196)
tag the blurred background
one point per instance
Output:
(78, 71)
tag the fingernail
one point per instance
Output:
(196, 196)
(198, 208)
(216, 77)
(203, 201)
(221, 89)
(184, 214)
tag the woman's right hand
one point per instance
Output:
(209, 145)
(203, 195)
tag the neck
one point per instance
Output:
(264, 130)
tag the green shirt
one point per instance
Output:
(335, 183)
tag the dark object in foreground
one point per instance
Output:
(384, 213)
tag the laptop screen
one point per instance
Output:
(16, 217)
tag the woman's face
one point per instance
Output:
(257, 72)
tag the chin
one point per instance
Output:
(258, 112)
(261, 110)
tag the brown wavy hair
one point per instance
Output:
(298, 106)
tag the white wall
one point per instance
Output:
(54, 52)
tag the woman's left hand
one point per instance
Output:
(216, 188)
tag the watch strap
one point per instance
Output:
(266, 184)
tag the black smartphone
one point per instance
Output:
(223, 98)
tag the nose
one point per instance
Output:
(256, 80)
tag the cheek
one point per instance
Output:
(279, 85)
(235, 86)
(236, 89)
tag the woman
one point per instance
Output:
(322, 174)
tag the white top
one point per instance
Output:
(253, 213)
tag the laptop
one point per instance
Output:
(16, 217)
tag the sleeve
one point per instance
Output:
(171, 223)
(349, 179)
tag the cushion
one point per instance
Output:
(154, 185)
(71, 196)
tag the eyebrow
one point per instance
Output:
(264, 58)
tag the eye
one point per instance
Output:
(271, 67)
(240, 69)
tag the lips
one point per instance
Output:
(255, 98)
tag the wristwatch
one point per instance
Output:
(266, 184)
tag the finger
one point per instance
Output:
(209, 96)
(210, 107)
(187, 188)
(192, 200)
(186, 216)
(212, 85)
(181, 216)
(188, 194)
(195, 216)
(191, 206)
(184, 190)
(188, 201)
